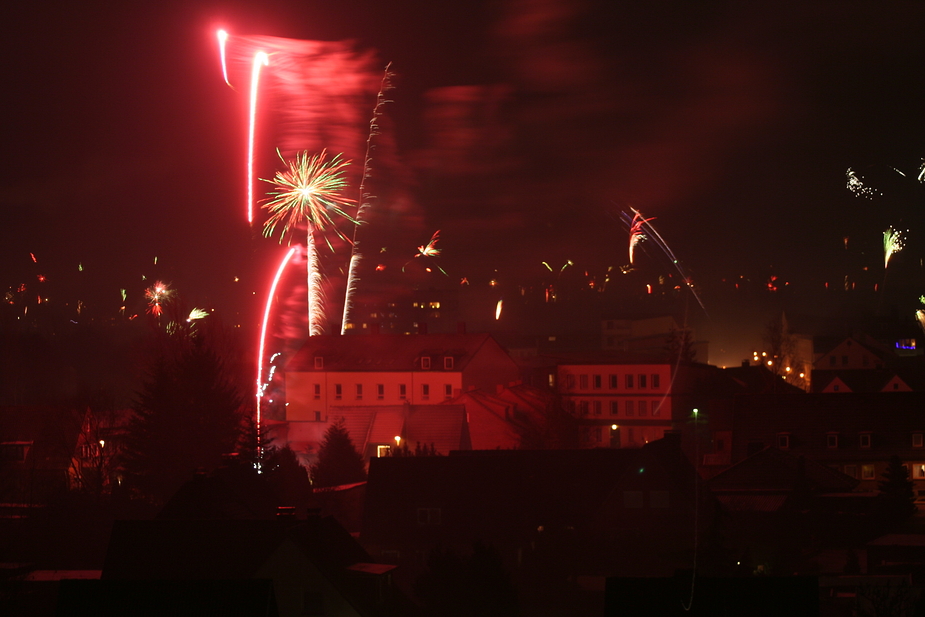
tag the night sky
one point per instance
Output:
(519, 128)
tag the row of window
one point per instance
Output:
(833, 440)
(630, 381)
(631, 408)
(426, 363)
(869, 471)
(380, 391)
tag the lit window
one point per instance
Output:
(383, 451)
(918, 471)
(433, 305)
(868, 472)
(864, 440)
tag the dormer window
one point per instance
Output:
(319, 362)
(831, 441)
(425, 363)
(864, 440)
(448, 363)
(783, 441)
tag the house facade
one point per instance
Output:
(620, 400)
(387, 370)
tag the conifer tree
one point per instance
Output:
(338, 460)
(897, 495)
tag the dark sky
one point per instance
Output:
(519, 128)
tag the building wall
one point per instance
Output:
(311, 395)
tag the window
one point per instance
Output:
(597, 382)
(425, 391)
(655, 381)
(832, 361)
(429, 516)
(359, 391)
(425, 363)
(851, 470)
(868, 472)
(380, 391)
(89, 450)
(656, 408)
(597, 408)
(383, 451)
(402, 391)
(613, 408)
(319, 362)
(642, 381)
(583, 382)
(317, 416)
(916, 440)
(632, 499)
(630, 408)
(844, 360)
(570, 381)
(317, 387)
(918, 471)
(642, 407)
(448, 363)
(584, 407)
(613, 382)
(448, 390)
(831, 440)
(338, 390)
(629, 381)
(783, 441)
(864, 440)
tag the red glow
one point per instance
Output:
(32, 255)
(380, 267)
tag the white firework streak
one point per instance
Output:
(316, 315)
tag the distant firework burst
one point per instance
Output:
(856, 185)
(157, 295)
(429, 250)
(636, 233)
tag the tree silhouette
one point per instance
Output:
(338, 460)
(896, 500)
(187, 416)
